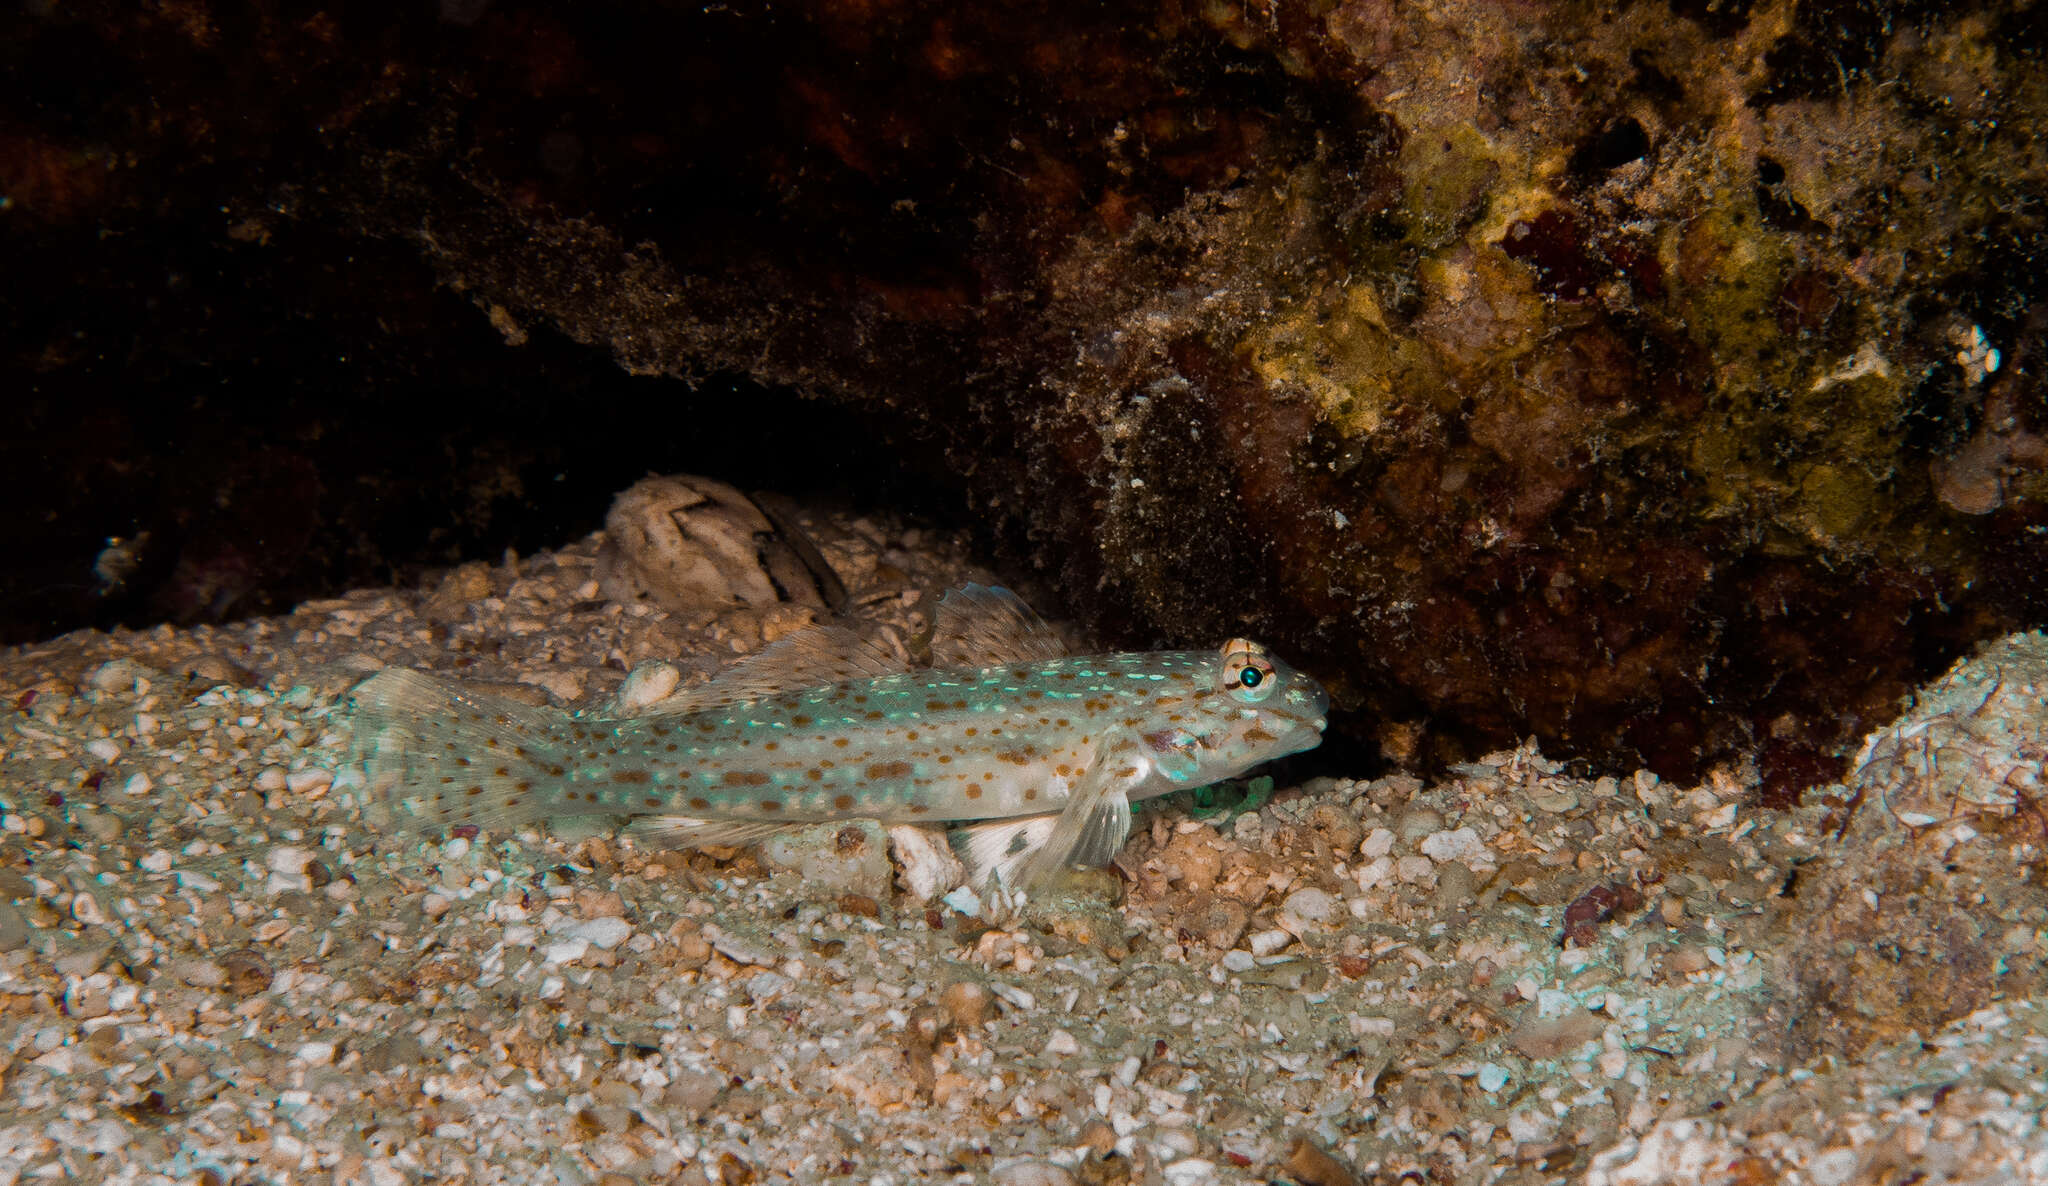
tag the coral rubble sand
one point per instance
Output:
(212, 968)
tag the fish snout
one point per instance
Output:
(1311, 704)
(1304, 712)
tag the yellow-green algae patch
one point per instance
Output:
(1342, 354)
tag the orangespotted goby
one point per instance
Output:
(1031, 755)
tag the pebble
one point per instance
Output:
(87, 959)
(928, 864)
(1418, 822)
(1553, 1037)
(288, 861)
(1014, 995)
(1062, 1043)
(1218, 922)
(648, 684)
(1687, 960)
(103, 826)
(138, 784)
(103, 748)
(692, 948)
(1461, 844)
(434, 905)
(119, 675)
(399, 1050)
(1268, 942)
(1237, 959)
(1377, 843)
(564, 684)
(592, 903)
(604, 932)
(310, 781)
(216, 670)
(1456, 886)
(86, 909)
(968, 1003)
(565, 951)
(1311, 905)
(734, 948)
(964, 900)
(270, 778)
(843, 857)
(1031, 1173)
(201, 973)
(1308, 1164)
(246, 972)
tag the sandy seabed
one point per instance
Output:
(214, 969)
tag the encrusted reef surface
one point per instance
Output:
(1657, 379)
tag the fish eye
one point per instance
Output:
(1248, 674)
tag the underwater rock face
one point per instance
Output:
(1661, 382)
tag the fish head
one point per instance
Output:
(1252, 708)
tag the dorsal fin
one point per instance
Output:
(810, 658)
(980, 626)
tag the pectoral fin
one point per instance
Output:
(1090, 830)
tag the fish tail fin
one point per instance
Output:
(432, 752)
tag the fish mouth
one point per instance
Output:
(1302, 733)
